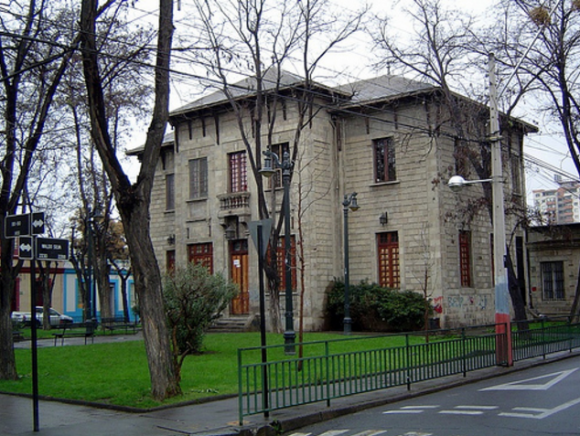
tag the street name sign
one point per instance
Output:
(51, 249)
(17, 225)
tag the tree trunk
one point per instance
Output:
(148, 285)
(516, 295)
(7, 358)
(102, 273)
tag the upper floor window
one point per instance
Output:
(170, 192)
(465, 258)
(198, 178)
(384, 160)
(238, 172)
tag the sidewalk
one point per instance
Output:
(212, 418)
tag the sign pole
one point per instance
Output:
(34, 347)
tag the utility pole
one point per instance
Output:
(502, 306)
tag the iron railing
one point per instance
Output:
(326, 370)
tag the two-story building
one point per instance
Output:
(388, 140)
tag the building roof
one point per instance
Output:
(247, 87)
(382, 88)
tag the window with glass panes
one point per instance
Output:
(170, 192)
(198, 178)
(201, 253)
(553, 280)
(238, 172)
(384, 160)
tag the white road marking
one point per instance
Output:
(542, 413)
(409, 410)
(522, 385)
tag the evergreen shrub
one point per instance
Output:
(374, 308)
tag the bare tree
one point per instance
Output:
(261, 38)
(442, 52)
(33, 58)
(133, 199)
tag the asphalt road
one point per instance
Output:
(540, 401)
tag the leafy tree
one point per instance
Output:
(194, 298)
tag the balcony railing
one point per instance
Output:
(235, 203)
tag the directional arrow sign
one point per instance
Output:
(17, 225)
(51, 249)
(37, 223)
(25, 248)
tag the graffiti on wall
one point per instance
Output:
(477, 302)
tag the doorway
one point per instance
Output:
(239, 275)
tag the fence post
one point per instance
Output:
(464, 352)
(240, 384)
(328, 378)
(408, 353)
(543, 339)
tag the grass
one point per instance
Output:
(117, 373)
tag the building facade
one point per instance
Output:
(385, 139)
(554, 256)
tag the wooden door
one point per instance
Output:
(239, 275)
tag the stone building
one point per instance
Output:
(387, 139)
(554, 257)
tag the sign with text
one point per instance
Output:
(51, 249)
(17, 225)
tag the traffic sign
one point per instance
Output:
(51, 249)
(25, 248)
(37, 223)
(266, 227)
(17, 225)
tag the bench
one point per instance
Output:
(75, 330)
(17, 336)
(117, 323)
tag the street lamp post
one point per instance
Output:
(268, 171)
(348, 202)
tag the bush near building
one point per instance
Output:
(374, 308)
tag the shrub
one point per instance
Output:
(193, 298)
(374, 308)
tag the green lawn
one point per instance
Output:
(116, 373)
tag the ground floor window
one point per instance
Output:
(465, 258)
(388, 259)
(553, 280)
(201, 253)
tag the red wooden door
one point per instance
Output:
(239, 275)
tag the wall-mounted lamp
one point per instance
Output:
(171, 239)
(384, 218)
(231, 232)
